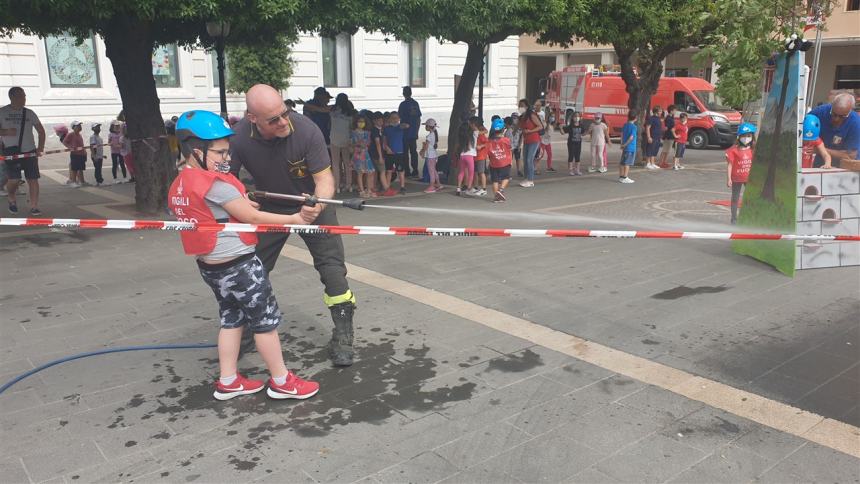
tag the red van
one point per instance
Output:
(587, 90)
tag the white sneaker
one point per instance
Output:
(626, 180)
(681, 167)
(676, 167)
(472, 191)
(75, 185)
(592, 170)
(481, 192)
(602, 169)
(527, 184)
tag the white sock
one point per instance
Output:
(227, 380)
(280, 380)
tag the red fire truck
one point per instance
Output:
(587, 90)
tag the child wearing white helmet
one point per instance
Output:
(206, 192)
(739, 161)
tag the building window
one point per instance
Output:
(337, 61)
(847, 77)
(213, 57)
(678, 72)
(852, 5)
(417, 63)
(165, 66)
(70, 63)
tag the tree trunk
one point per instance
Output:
(640, 85)
(463, 96)
(129, 44)
(768, 191)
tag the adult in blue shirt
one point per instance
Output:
(410, 116)
(840, 129)
(653, 136)
(320, 112)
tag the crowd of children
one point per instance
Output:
(120, 153)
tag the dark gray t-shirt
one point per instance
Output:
(281, 165)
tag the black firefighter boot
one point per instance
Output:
(340, 346)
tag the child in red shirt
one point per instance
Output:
(812, 144)
(680, 131)
(482, 146)
(739, 158)
(499, 150)
(77, 157)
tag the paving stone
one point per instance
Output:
(482, 474)
(427, 467)
(656, 401)
(577, 374)
(653, 459)
(435, 395)
(727, 464)
(475, 447)
(500, 404)
(506, 369)
(591, 476)
(814, 463)
(610, 428)
(13, 470)
(53, 458)
(708, 429)
(549, 458)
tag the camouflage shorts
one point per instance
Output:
(244, 295)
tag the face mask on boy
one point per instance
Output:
(745, 140)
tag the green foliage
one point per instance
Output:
(748, 33)
(269, 63)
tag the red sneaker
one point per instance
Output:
(389, 193)
(242, 386)
(295, 387)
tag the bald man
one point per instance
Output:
(285, 152)
(840, 129)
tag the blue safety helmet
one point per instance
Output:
(746, 128)
(811, 127)
(204, 125)
(498, 124)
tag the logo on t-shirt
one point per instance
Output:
(298, 169)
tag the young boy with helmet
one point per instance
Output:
(812, 143)
(206, 192)
(739, 158)
(500, 157)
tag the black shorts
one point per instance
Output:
(30, 167)
(396, 161)
(77, 162)
(243, 292)
(499, 174)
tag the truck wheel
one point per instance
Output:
(698, 139)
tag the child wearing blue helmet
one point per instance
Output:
(812, 143)
(739, 158)
(206, 192)
(500, 157)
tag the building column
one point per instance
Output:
(560, 61)
(714, 76)
(522, 76)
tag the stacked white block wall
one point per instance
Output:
(828, 202)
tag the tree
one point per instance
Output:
(748, 32)
(131, 30)
(477, 23)
(266, 63)
(642, 34)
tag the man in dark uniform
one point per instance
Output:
(285, 152)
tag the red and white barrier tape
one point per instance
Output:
(66, 150)
(73, 223)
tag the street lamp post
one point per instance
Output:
(219, 30)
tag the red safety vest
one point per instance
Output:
(186, 200)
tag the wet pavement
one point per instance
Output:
(433, 396)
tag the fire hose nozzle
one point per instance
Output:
(354, 203)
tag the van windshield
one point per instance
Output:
(712, 101)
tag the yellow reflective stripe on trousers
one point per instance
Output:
(330, 301)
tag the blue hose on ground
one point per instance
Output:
(104, 352)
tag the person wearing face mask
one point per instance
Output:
(739, 158)
(531, 127)
(574, 130)
(206, 192)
